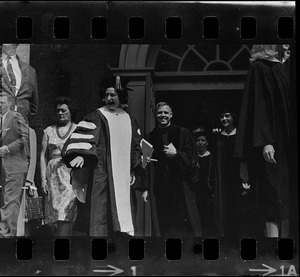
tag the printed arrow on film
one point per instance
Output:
(113, 270)
(268, 270)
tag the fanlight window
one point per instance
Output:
(191, 58)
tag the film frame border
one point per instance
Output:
(191, 15)
(44, 22)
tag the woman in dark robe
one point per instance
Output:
(228, 183)
(105, 155)
(264, 135)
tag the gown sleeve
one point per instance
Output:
(256, 124)
(83, 141)
(187, 156)
(136, 151)
(21, 128)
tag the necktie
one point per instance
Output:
(1, 122)
(11, 73)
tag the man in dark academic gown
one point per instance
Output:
(105, 153)
(174, 210)
(263, 136)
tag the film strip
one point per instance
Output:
(136, 27)
(198, 50)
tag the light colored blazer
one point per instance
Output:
(15, 136)
(27, 97)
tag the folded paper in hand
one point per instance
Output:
(147, 150)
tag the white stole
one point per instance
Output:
(120, 146)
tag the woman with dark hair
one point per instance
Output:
(105, 154)
(60, 203)
(228, 183)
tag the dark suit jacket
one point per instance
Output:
(27, 97)
(14, 135)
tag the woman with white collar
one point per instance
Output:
(226, 168)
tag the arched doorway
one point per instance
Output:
(180, 74)
(195, 80)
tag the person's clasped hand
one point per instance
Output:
(145, 196)
(268, 153)
(45, 186)
(216, 130)
(77, 162)
(30, 188)
(3, 150)
(132, 178)
(148, 159)
(245, 188)
(170, 150)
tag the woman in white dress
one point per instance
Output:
(60, 201)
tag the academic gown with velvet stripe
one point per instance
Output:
(96, 175)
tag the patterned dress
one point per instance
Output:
(60, 203)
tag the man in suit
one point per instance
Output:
(14, 163)
(19, 80)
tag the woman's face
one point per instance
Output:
(112, 99)
(226, 120)
(63, 113)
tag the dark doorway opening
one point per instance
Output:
(192, 108)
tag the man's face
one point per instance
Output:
(201, 143)
(9, 49)
(226, 119)
(112, 99)
(163, 116)
(4, 104)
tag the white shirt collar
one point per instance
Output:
(207, 153)
(165, 126)
(13, 57)
(232, 133)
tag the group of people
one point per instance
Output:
(227, 182)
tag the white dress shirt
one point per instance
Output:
(3, 117)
